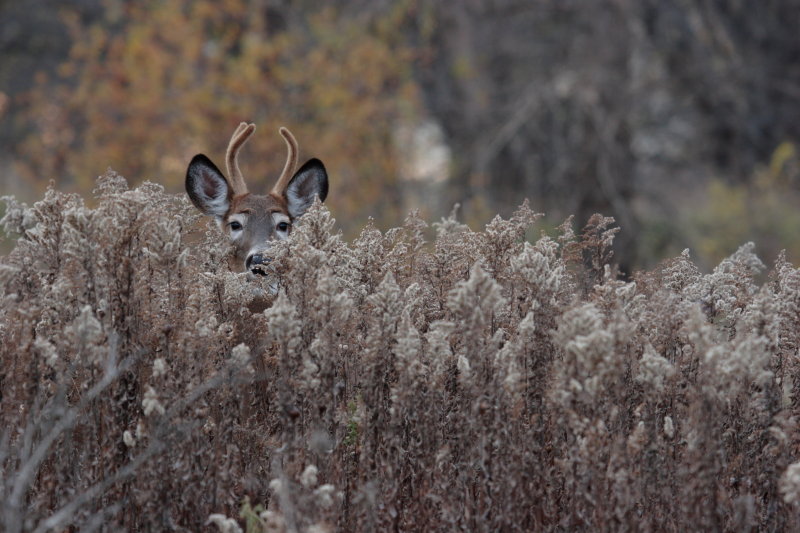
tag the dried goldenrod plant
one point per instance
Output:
(476, 382)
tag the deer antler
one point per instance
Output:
(239, 137)
(291, 162)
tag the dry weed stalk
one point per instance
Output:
(477, 382)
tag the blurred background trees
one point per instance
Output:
(677, 117)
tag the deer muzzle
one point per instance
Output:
(257, 263)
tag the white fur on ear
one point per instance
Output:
(309, 182)
(297, 204)
(207, 187)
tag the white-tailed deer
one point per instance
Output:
(252, 221)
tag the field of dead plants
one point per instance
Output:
(427, 378)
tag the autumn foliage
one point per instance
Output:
(154, 83)
(608, 107)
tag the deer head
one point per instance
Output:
(251, 221)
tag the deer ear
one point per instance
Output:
(207, 187)
(310, 181)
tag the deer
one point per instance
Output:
(253, 222)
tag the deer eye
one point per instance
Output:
(235, 225)
(283, 226)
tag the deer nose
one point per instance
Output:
(255, 263)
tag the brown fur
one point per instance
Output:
(258, 208)
(251, 221)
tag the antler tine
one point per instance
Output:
(239, 137)
(291, 162)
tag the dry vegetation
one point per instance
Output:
(479, 382)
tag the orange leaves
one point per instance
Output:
(162, 81)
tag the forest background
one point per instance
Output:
(677, 117)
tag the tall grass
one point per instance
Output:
(478, 382)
